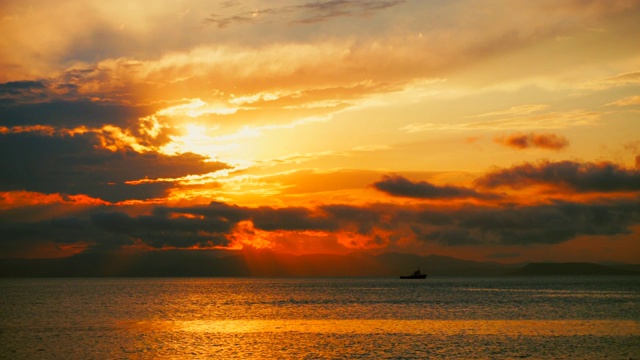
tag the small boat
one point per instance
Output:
(416, 275)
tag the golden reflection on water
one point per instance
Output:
(430, 327)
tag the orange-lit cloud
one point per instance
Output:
(519, 110)
(338, 228)
(552, 120)
(20, 198)
(533, 140)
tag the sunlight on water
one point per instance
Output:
(497, 318)
(430, 327)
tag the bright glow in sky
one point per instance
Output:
(487, 130)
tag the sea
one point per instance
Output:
(321, 318)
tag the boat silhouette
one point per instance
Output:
(416, 275)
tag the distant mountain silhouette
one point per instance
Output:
(441, 265)
(248, 263)
(141, 264)
(185, 263)
(571, 268)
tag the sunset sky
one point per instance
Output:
(489, 130)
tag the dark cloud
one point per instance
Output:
(537, 224)
(104, 228)
(213, 225)
(71, 114)
(293, 218)
(499, 225)
(177, 227)
(226, 21)
(533, 140)
(79, 165)
(364, 219)
(312, 12)
(320, 11)
(396, 185)
(23, 237)
(210, 225)
(580, 177)
(20, 87)
(430, 216)
(232, 213)
(115, 222)
(160, 231)
(21, 91)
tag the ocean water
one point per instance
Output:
(312, 318)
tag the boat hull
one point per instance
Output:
(423, 276)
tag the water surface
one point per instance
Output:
(499, 317)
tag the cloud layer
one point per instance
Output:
(399, 186)
(196, 125)
(532, 140)
(568, 175)
(221, 225)
(309, 13)
(79, 164)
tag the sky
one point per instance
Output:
(488, 130)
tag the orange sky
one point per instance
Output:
(484, 130)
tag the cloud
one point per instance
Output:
(537, 224)
(226, 21)
(362, 219)
(105, 228)
(396, 185)
(515, 110)
(79, 164)
(307, 69)
(159, 231)
(72, 113)
(305, 65)
(322, 11)
(532, 140)
(578, 177)
(22, 91)
(291, 218)
(309, 13)
(210, 225)
(61, 108)
(553, 120)
(591, 7)
(231, 213)
(206, 226)
(629, 78)
(627, 101)
(20, 87)
(229, 3)
(151, 31)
